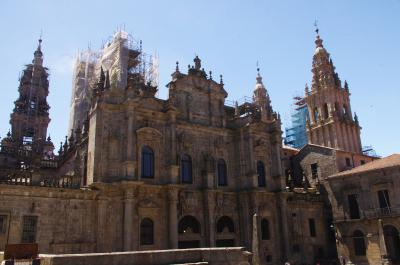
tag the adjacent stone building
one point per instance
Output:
(365, 206)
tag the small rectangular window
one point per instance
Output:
(314, 170)
(3, 224)
(362, 162)
(268, 258)
(29, 227)
(311, 225)
(348, 162)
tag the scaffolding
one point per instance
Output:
(296, 134)
(122, 59)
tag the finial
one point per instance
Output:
(210, 75)
(316, 27)
(237, 112)
(48, 138)
(318, 41)
(355, 118)
(177, 67)
(221, 81)
(258, 68)
(346, 85)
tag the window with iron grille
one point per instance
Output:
(3, 224)
(29, 228)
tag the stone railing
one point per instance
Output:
(45, 181)
(382, 212)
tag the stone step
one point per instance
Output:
(192, 263)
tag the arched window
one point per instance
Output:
(315, 114)
(147, 162)
(265, 235)
(326, 111)
(337, 109)
(146, 232)
(225, 222)
(222, 175)
(345, 110)
(261, 174)
(186, 169)
(359, 243)
(188, 224)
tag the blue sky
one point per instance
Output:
(362, 36)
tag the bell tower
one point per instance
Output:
(30, 117)
(330, 122)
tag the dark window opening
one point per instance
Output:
(348, 162)
(362, 162)
(353, 206)
(189, 244)
(29, 229)
(146, 232)
(296, 248)
(261, 174)
(384, 202)
(314, 170)
(268, 258)
(186, 169)
(326, 111)
(265, 234)
(359, 243)
(147, 162)
(312, 228)
(225, 223)
(222, 173)
(3, 224)
(224, 243)
(188, 224)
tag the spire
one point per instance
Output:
(261, 98)
(306, 90)
(259, 78)
(38, 55)
(318, 40)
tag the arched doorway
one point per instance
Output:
(189, 232)
(392, 241)
(225, 232)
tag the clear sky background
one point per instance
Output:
(363, 38)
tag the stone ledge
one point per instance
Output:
(211, 256)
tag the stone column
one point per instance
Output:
(210, 206)
(173, 217)
(101, 233)
(129, 135)
(130, 148)
(128, 220)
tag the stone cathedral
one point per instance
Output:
(137, 172)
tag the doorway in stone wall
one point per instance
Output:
(392, 241)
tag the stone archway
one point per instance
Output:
(392, 241)
(189, 232)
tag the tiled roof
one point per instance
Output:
(386, 162)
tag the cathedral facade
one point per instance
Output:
(142, 173)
